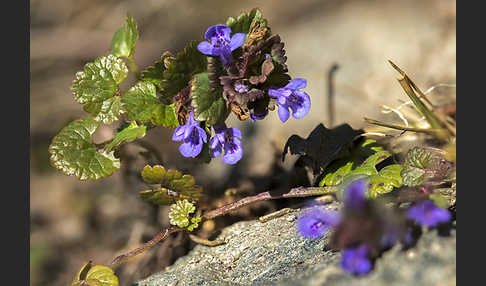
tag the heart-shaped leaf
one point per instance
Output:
(95, 86)
(73, 153)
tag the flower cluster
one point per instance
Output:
(245, 89)
(364, 228)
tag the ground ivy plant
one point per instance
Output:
(239, 69)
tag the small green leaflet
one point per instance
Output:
(141, 104)
(95, 86)
(209, 105)
(385, 180)
(173, 185)
(125, 39)
(132, 132)
(73, 153)
(98, 275)
(179, 215)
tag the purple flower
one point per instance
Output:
(241, 87)
(221, 44)
(426, 213)
(291, 97)
(314, 223)
(192, 135)
(355, 260)
(258, 114)
(226, 139)
(354, 194)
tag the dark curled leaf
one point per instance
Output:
(95, 86)
(424, 164)
(248, 22)
(215, 70)
(125, 39)
(154, 74)
(209, 105)
(173, 186)
(73, 153)
(183, 104)
(266, 69)
(179, 71)
(322, 146)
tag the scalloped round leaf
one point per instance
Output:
(386, 179)
(174, 185)
(100, 275)
(179, 213)
(130, 133)
(98, 82)
(73, 153)
(209, 105)
(142, 104)
(125, 39)
(180, 70)
(106, 111)
(416, 161)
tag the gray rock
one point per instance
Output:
(272, 253)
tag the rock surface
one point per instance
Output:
(272, 253)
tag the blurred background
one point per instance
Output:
(73, 222)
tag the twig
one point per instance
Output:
(159, 237)
(276, 214)
(299, 192)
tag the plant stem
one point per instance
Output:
(159, 237)
(134, 67)
(299, 192)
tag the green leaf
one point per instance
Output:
(247, 22)
(368, 167)
(106, 111)
(337, 170)
(95, 86)
(180, 70)
(101, 275)
(386, 179)
(132, 132)
(141, 104)
(98, 275)
(439, 200)
(179, 213)
(174, 185)
(194, 222)
(73, 153)
(209, 105)
(81, 274)
(154, 74)
(416, 161)
(125, 39)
